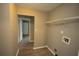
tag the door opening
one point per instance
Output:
(26, 30)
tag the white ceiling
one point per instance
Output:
(45, 7)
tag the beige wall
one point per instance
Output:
(54, 39)
(66, 10)
(31, 30)
(8, 30)
(39, 25)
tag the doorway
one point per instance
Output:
(26, 30)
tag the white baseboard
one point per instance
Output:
(17, 52)
(44, 47)
(50, 50)
(39, 47)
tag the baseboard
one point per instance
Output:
(39, 47)
(46, 47)
(17, 52)
(50, 50)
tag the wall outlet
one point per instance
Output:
(55, 50)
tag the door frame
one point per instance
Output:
(20, 28)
